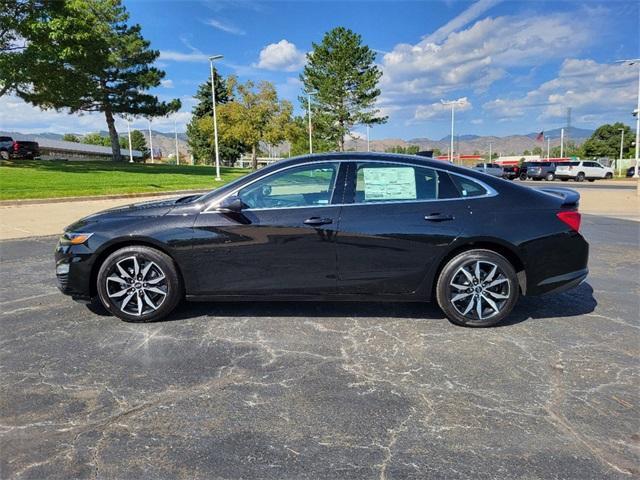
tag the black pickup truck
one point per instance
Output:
(10, 148)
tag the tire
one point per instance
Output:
(4, 155)
(452, 274)
(523, 176)
(608, 176)
(141, 301)
(550, 177)
(580, 177)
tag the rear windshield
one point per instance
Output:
(6, 139)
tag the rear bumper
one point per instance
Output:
(561, 283)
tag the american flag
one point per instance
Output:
(540, 137)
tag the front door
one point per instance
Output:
(282, 242)
(402, 219)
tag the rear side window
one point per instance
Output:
(467, 187)
(380, 182)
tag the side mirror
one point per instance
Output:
(231, 204)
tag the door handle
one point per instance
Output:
(438, 217)
(317, 221)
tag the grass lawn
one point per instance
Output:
(52, 178)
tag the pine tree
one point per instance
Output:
(343, 78)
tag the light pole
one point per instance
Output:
(175, 131)
(368, 146)
(129, 135)
(215, 119)
(548, 148)
(621, 146)
(636, 61)
(150, 141)
(562, 143)
(309, 114)
(490, 156)
(453, 104)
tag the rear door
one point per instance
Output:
(396, 221)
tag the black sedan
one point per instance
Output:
(344, 226)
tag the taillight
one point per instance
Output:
(571, 218)
(15, 146)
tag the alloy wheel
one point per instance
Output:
(137, 285)
(479, 290)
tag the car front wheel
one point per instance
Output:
(550, 177)
(580, 177)
(4, 155)
(477, 288)
(608, 176)
(139, 284)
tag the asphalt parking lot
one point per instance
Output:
(295, 391)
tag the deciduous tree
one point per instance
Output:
(605, 141)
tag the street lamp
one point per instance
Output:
(175, 131)
(309, 114)
(215, 120)
(636, 61)
(621, 146)
(368, 145)
(150, 141)
(129, 135)
(453, 104)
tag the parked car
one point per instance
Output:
(631, 171)
(10, 148)
(490, 169)
(583, 170)
(510, 172)
(339, 226)
(538, 171)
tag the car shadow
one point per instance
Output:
(576, 302)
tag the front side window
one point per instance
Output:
(380, 182)
(305, 186)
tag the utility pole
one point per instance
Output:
(490, 156)
(309, 114)
(150, 142)
(562, 143)
(621, 146)
(175, 131)
(215, 117)
(130, 150)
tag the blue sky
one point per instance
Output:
(515, 66)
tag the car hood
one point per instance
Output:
(153, 208)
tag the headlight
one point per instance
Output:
(72, 238)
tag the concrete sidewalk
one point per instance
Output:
(34, 220)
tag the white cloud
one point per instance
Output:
(19, 116)
(167, 83)
(467, 16)
(225, 26)
(438, 109)
(595, 92)
(476, 57)
(283, 55)
(173, 56)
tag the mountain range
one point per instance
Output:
(466, 144)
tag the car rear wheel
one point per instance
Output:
(523, 176)
(477, 288)
(608, 176)
(550, 177)
(580, 177)
(139, 284)
(4, 155)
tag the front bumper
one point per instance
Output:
(73, 264)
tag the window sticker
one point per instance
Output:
(397, 183)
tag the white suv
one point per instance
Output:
(579, 171)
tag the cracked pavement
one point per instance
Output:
(311, 390)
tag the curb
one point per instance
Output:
(39, 201)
